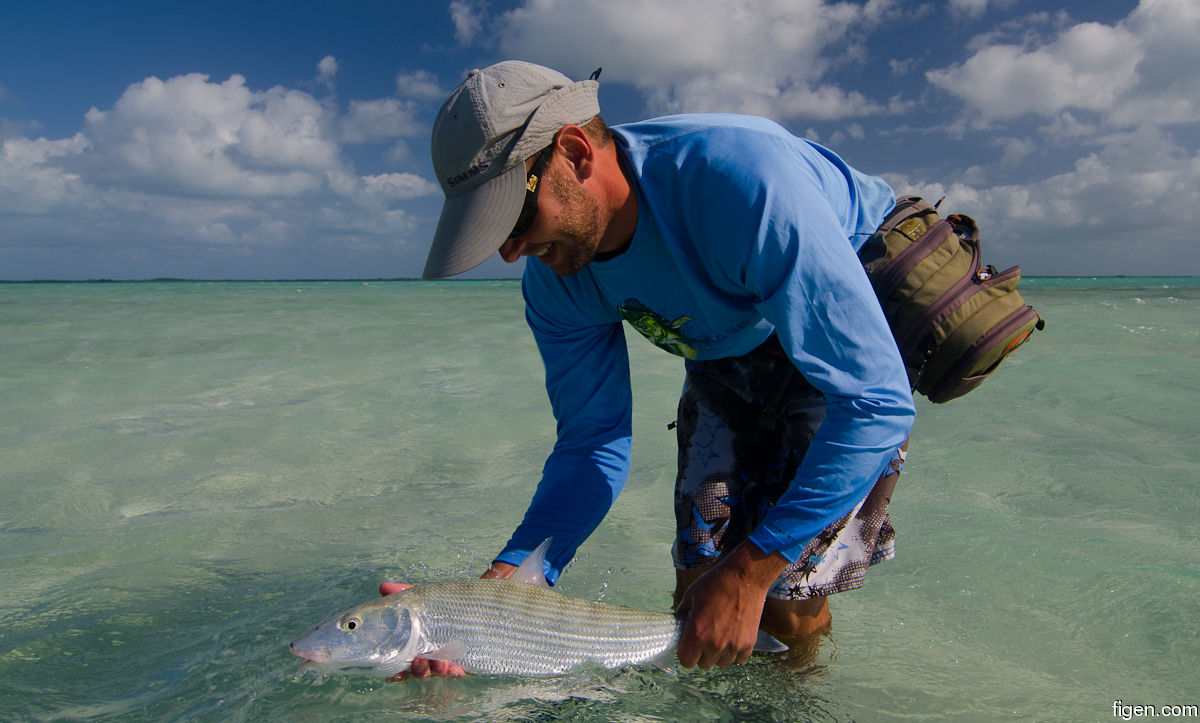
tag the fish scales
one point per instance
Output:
(510, 628)
(516, 626)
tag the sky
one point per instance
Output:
(290, 140)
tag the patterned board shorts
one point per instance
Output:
(744, 426)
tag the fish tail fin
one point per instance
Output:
(767, 644)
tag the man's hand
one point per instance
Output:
(424, 667)
(724, 608)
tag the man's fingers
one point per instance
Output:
(445, 667)
(717, 658)
(419, 668)
(687, 655)
(707, 649)
(425, 668)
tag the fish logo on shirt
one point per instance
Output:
(662, 333)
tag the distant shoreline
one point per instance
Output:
(172, 280)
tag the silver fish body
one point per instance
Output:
(517, 626)
(496, 627)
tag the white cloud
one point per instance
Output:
(1143, 69)
(32, 180)
(1015, 149)
(379, 188)
(1087, 67)
(901, 67)
(1122, 209)
(975, 9)
(270, 233)
(1168, 88)
(852, 130)
(969, 8)
(371, 121)
(190, 136)
(207, 170)
(767, 57)
(327, 71)
(398, 186)
(1118, 97)
(418, 84)
(285, 130)
(1029, 30)
(468, 16)
(385, 227)
(1066, 128)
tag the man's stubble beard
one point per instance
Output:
(579, 234)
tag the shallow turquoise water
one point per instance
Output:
(193, 473)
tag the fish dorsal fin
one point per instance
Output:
(532, 571)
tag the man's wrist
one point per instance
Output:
(754, 567)
(498, 569)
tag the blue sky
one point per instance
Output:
(290, 139)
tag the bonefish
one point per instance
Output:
(514, 626)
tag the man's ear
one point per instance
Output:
(578, 150)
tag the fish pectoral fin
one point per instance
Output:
(450, 651)
(532, 571)
(767, 644)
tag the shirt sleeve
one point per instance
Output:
(587, 380)
(776, 231)
(829, 322)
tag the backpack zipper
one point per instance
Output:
(950, 301)
(1014, 321)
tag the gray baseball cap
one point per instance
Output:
(490, 124)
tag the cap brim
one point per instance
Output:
(475, 224)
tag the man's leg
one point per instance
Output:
(793, 620)
(735, 460)
(802, 623)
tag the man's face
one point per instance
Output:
(568, 227)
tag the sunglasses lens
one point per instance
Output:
(532, 186)
(528, 212)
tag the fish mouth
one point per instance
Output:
(325, 665)
(311, 657)
(322, 661)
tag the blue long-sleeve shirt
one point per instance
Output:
(743, 230)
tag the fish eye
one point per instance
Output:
(350, 623)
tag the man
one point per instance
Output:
(729, 242)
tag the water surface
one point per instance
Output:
(191, 474)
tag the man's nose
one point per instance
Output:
(510, 250)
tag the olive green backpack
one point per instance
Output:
(954, 320)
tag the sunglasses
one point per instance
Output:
(533, 184)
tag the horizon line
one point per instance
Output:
(173, 279)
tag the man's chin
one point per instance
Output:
(569, 270)
(564, 263)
